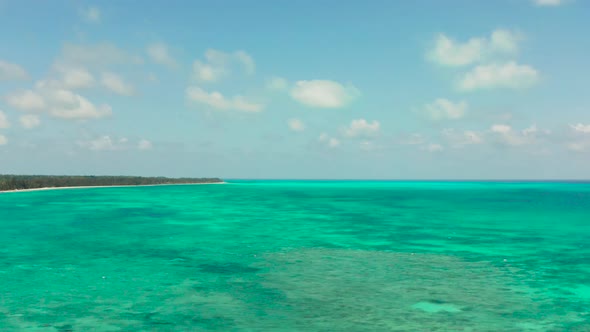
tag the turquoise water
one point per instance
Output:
(298, 256)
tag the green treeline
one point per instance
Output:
(13, 182)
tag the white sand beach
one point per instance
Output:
(117, 186)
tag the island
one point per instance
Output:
(28, 182)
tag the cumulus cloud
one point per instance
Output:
(578, 146)
(277, 84)
(548, 2)
(218, 101)
(296, 125)
(159, 54)
(444, 109)
(69, 105)
(246, 61)
(108, 143)
(330, 142)
(144, 145)
(218, 64)
(507, 75)
(101, 54)
(362, 128)
(3, 140)
(581, 128)
(4, 123)
(58, 102)
(73, 77)
(504, 41)
(100, 144)
(116, 84)
(152, 78)
(26, 100)
(323, 93)
(580, 140)
(12, 72)
(206, 72)
(433, 147)
(412, 139)
(500, 128)
(91, 14)
(506, 135)
(448, 52)
(458, 139)
(368, 146)
(74, 67)
(30, 121)
(420, 141)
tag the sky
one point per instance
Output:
(456, 89)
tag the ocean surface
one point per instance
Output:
(298, 256)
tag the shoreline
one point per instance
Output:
(115, 186)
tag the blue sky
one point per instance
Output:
(296, 89)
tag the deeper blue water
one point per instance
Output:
(298, 256)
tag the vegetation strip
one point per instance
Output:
(22, 182)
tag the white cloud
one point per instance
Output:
(144, 145)
(433, 147)
(4, 123)
(67, 76)
(448, 52)
(362, 128)
(581, 139)
(115, 83)
(330, 142)
(108, 143)
(217, 100)
(217, 57)
(504, 41)
(159, 53)
(323, 93)
(12, 72)
(74, 77)
(91, 14)
(3, 140)
(102, 54)
(579, 146)
(59, 102)
(412, 139)
(206, 72)
(246, 60)
(100, 144)
(368, 146)
(581, 128)
(443, 109)
(68, 105)
(296, 125)
(472, 137)
(530, 131)
(26, 100)
(508, 75)
(152, 78)
(548, 2)
(30, 121)
(501, 129)
(458, 139)
(218, 64)
(507, 135)
(277, 84)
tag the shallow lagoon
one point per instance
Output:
(298, 256)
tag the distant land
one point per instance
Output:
(24, 182)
